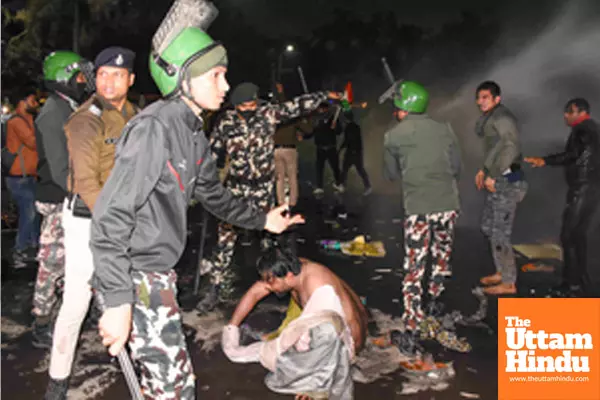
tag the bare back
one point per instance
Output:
(315, 276)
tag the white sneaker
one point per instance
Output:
(339, 188)
(368, 191)
(318, 191)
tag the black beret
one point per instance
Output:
(244, 92)
(115, 57)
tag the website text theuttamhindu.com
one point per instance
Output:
(548, 379)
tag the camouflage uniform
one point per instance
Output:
(497, 221)
(250, 146)
(419, 230)
(157, 341)
(51, 258)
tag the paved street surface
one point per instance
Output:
(24, 369)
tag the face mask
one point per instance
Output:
(80, 91)
(247, 114)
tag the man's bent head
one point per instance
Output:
(278, 267)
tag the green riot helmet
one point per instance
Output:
(412, 97)
(61, 66)
(192, 53)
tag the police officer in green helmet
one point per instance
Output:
(139, 223)
(427, 156)
(66, 84)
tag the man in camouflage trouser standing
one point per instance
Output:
(62, 76)
(504, 181)
(427, 154)
(246, 135)
(139, 221)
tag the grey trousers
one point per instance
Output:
(497, 222)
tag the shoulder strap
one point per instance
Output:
(21, 159)
(22, 117)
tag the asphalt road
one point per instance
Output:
(24, 369)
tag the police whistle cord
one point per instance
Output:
(201, 251)
(124, 360)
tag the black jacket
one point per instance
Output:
(163, 159)
(51, 144)
(581, 157)
(325, 136)
(352, 138)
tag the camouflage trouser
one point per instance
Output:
(424, 233)
(260, 196)
(157, 341)
(51, 258)
(497, 222)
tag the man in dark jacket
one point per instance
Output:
(66, 83)
(325, 133)
(354, 152)
(139, 222)
(504, 182)
(581, 160)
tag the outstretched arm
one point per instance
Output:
(256, 293)
(301, 105)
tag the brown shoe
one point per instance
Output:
(491, 279)
(501, 288)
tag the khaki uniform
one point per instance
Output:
(92, 133)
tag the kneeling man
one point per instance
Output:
(313, 353)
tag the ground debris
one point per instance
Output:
(468, 395)
(383, 270)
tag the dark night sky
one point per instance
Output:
(289, 17)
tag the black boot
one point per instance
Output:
(209, 300)
(57, 389)
(42, 333)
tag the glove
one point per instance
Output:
(230, 342)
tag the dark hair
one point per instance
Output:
(278, 262)
(21, 94)
(492, 86)
(579, 102)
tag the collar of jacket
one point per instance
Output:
(414, 117)
(188, 116)
(127, 111)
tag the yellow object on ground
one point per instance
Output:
(359, 247)
(291, 314)
(548, 251)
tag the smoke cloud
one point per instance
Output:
(538, 73)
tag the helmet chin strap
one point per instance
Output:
(186, 92)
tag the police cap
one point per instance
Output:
(115, 57)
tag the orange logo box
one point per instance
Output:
(549, 349)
